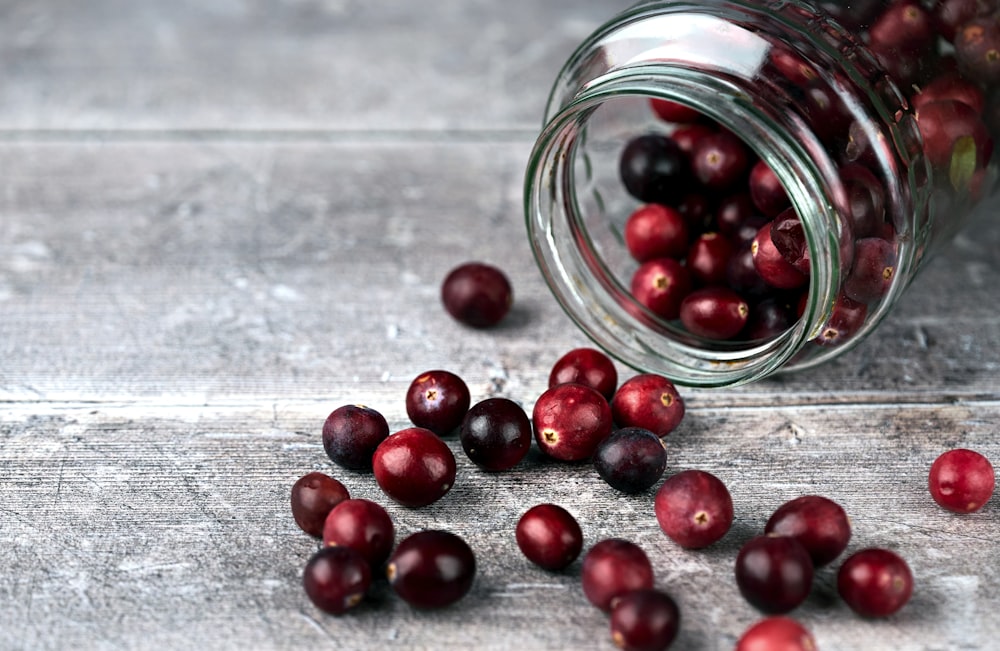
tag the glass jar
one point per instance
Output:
(877, 120)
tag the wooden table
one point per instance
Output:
(219, 221)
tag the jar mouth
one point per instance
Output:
(574, 240)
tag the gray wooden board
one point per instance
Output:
(202, 255)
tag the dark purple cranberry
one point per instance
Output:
(696, 209)
(336, 579)
(708, 258)
(313, 496)
(437, 400)
(714, 313)
(776, 633)
(875, 582)
(865, 199)
(694, 508)
(855, 15)
(649, 401)
(961, 480)
(477, 294)
(673, 111)
(954, 136)
(951, 86)
(660, 286)
(772, 265)
(977, 49)
(496, 434)
(949, 15)
(414, 467)
(432, 569)
(362, 525)
(770, 318)
(874, 269)
(846, 319)
(825, 112)
(570, 420)
(766, 190)
(748, 230)
(819, 524)
(653, 169)
(588, 367)
(774, 573)
(613, 567)
(631, 460)
(903, 28)
(654, 231)
(732, 212)
(789, 237)
(644, 620)
(549, 536)
(350, 435)
(742, 276)
(720, 160)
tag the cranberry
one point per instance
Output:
(866, 199)
(903, 28)
(772, 266)
(949, 15)
(613, 567)
(792, 66)
(496, 434)
(414, 467)
(631, 460)
(660, 285)
(694, 508)
(732, 212)
(648, 401)
(350, 435)
(714, 313)
(362, 525)
(720, 160)
(854, 15)
(313, 495)
(961, 480)
(875, 582)
(336, 579)
(477, 294)
(766, 190)
(570, 420)
(951, 86)
(653, 169)
(708, 258)
(549, 536)
(774, 573)
(776, 633)
(825, 111)
(655, 231)
(696, 210)
(588, 367)
(673, 111)
(437, 400)
(644, 620)
(846, 319)
(432, 569)
(977, 49)
(742, 276)
(953, 134)
(687, 136)
(873, 271)
(770, 318)
(819, 524)
(789, 237)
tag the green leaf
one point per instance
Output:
(963, 163)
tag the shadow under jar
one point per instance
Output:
(876, 121)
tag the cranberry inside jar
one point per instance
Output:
(828, 155)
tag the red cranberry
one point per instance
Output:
(437, 400)
(953, 132)
(766, 190)
(772, 266)
(720, 160)
(653, 169)
(708, 258)
(613, 567)
(865, 197)
(660, 285)
(570, 420)
(549, 536)
(362, 525)
(414, 467)
(977, 49)
(874, 269)
(825, 112)
(631, 460)
(694, 508)
(789, 237)
(875, 582)
(477, 294)
(350, 435)
(714, 313)
(819, 524)
(961, 480)
(846, 319)
(496, 434)
(313, 496)
(654, 231)
(949, 15)
(774, 573)
(951, 86)
(432, 569)
(777, 633)
(687, 136)
(336, 579)
(648, 401)
(644, 620)
(792, 66)
(673, 111)
(903, 28)
(588, 367)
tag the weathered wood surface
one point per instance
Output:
(218, 224)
